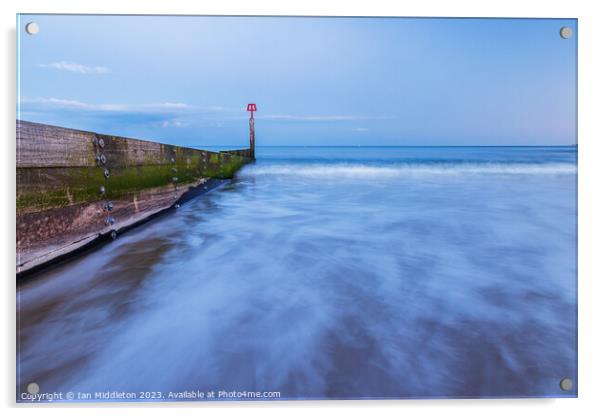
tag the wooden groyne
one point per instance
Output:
(75, 187)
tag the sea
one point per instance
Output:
(327, 273)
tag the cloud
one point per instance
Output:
(165, 108)
(174, 123)
(319, 118)
(361, 129)
(165, 114)
(75, 67)
(168, 105)
(64, 103)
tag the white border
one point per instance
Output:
(590, 209)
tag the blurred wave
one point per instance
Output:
(362, 171)
(329, 273)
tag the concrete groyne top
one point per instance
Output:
(74, 187)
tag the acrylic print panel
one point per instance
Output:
(282, 208)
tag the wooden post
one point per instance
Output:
(252, 108)
(252, 125)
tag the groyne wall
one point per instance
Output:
(74, 187)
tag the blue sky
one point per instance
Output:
(316, 81)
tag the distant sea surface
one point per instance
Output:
(329, 272)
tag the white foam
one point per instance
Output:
(362, 171)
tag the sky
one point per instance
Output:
(186, 80)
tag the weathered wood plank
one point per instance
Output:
(44, 235)
(65, 177)
(40, 145)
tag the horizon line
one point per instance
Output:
(400, 145)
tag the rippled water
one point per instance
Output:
(329, 273)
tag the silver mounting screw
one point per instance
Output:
(32, 28)
(566, 384)
(566, 32)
